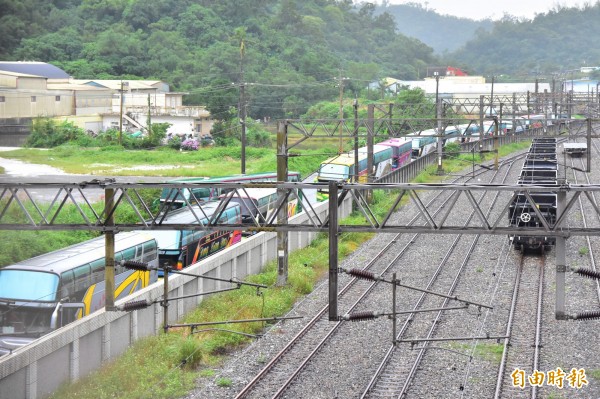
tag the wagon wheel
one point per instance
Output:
(525, 217)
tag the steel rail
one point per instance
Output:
(324, 311)
(389, 354)
(589, 243)
(511, 319)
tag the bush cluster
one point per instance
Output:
(47, 133)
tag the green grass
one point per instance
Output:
(224, 382)
(166, 162)
(595, 373)
(484, 350)
(17, 245)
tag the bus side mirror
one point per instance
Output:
(65, 313)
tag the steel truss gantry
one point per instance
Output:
(22, 209)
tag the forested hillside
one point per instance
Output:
(552, 43)
(290, 51)
(443, 33)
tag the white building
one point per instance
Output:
(36, 89)
(140, 98)
(464, 88)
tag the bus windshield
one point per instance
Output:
(333, 172)
(173, 194)
(246, 203)
(26, 285)
(167, 239)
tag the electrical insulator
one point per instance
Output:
(590, 315)
(363, 274)
(135, 265)
(360, 316)
(134, 305)
(588, 273)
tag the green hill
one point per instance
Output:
(444, 33)
(290, 51)
(551, 44)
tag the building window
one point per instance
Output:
(57, 98)
(2, 99)
(33, 99)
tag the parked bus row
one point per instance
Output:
(41, 294)
(177, 198)
(394, 153)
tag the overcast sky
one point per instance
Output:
(495, 9)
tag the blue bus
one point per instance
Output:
(41, 294)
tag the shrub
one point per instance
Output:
(259, 139)
(47, 133)
(324, 110)
(451, 150)
(190, 145)
(174, 142)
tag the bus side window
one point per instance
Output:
(128, 253)
(97, 270)
(66, 284)
(82, 278)
(149, 251)
(186, 237)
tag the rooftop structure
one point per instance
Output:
(34, 68)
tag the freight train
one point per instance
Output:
(539, 168)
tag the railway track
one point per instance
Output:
(336, 366)
(591, 252)
(398, 368)
(521, 347)
(318, 332)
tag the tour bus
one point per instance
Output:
(41, 294)
(341, 167)
(176, 198)
(181, 248)
(257, 204)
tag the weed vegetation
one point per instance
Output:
(163, 161)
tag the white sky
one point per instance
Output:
(495, 9)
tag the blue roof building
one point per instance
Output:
(34, 68)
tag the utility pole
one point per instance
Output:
(492, 96)
(440, 144)
(109, 252)
(282, 216)
(341, 147)
(121, 116)
(356, 171)
(149, 120)
(242, 107)
(243, 123)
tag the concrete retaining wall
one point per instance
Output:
(37, 370)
